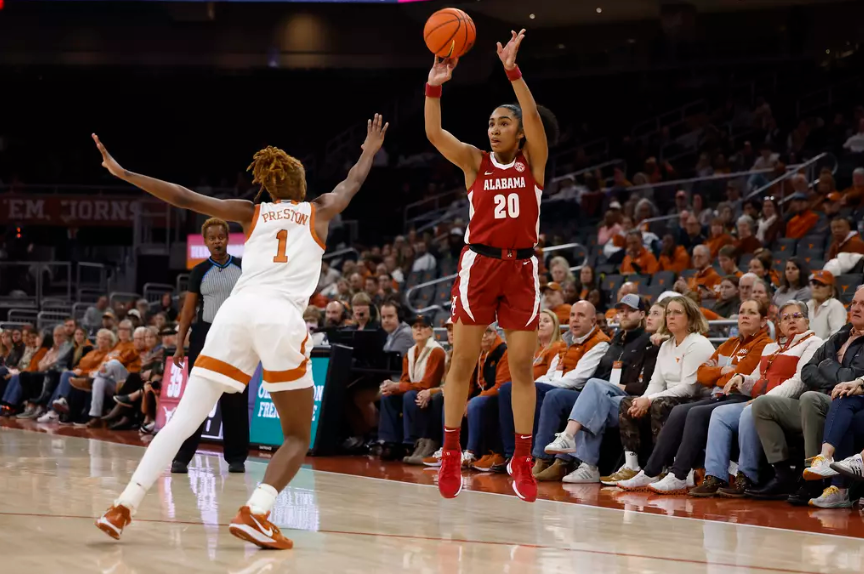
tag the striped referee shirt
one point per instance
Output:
(213, 283)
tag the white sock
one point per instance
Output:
(131, 497)
(262, 499)
(631, 460)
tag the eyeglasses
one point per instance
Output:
(792, 317)
(770, 198)
(816, 284)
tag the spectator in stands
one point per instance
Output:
(719, 238)
(681, 203)
(370, 288)
(166, 305)
(764, 293)
(770, 224)
(335, 314)
(831, 207)
(626, 289)
(596, 407)
(422, 368)
(5, 345)
(400, 337)
(683, 437)
(838, 360)
(587, 282)
(393, 269)
(728, 302)
(733, 199)
(727, 258)
(672, 383)
(313, 318)
(855, 143)
(559, 270)
(845, 239)
(553, 295)
(691, 235)
(638, 259)
(356, 283)
(827, 314)
(151, 354)
(585, 346)
(794, 284)
(644, 210)
(761, 266)
(362, 313)
(804, 219)
(777, 373)
(328, 276)
(109, 321)
(423, 260)
(704, 214)
(87, 367)
(673, 257)
(386, 288)
(93, 317)
(705, 279)
(32, 342)
(610, 228)
(727, 214)
(39, 381)
(854, 194)
(747, 242)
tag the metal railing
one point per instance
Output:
(792, 171)
(647, 128)
(91, 275)
(339, 252)
(435, 202)
(182, 282)
(611, 163)
(153, 292)
(597, 150)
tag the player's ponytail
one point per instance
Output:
(279, 174)
(550, 122)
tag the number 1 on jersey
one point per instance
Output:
(280, 257)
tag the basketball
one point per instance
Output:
(449, 33)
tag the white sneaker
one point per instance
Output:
(468, 459)
(563, 444)
(691, 479)
(48, 417)
(669, 485)
(832, 497)
(638, 483)
(820, 468)
(851, 467)
(585, 474)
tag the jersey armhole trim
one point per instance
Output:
(254, 221)
(312, 227)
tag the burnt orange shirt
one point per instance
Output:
(432, 376)
(562, 311)
(679, 261)
(853, 196)
(736, 352)
(543, 358)
(645, 260)
(502, 371)
(801, 224)
(716, 243)
(852, 245)
(34, 361)
(707, 277)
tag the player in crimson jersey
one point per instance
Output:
(497, 269)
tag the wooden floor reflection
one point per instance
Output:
(53, 482)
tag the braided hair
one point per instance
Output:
(280, 174)
(550, 122)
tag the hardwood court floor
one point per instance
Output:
(53, 485)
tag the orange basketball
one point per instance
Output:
(449, 33)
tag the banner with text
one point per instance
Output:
(69, 210)
(196, 250)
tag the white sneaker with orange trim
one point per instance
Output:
(114, 521)
(257, 529)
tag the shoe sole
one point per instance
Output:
(249, 534)
(730, 495)
(61, 408)
(643, 488)
(565, 481)
(832, 505)
(842, 471)
(108, 528)
(668, 492)
(702, 494)
(432, 464)
(814, 476)
(559, 451)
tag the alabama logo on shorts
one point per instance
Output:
(520, 167)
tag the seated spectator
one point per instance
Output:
(719, 238)
(585, 345)
(94, 314)
(38, 383)
(747, 242)
(429, 422)
(109, 321)
(854, 194)
(762, 267)
(827, 313)
(610, 228)
(733, 198)
(387, 288)
(770, 225)
(704, 214)
(159, 321)
(855, 143)
(672, 383)
(726, 213)
(328, 276)
(706, 278)
(370, 288)
(422, 368)
(831, 207)
(571, 295)
(673, 257)
(587, 282)
(681, 203)
(626, 288)
(362, 309)
(682, 440)
(16, 392)
(728, 302)
(151, 353)
(728, 260)
(777, 374)
(313, 318)
(423, 260)
(400, 336)
(596, 407)
(691, 235)
(335, 315)
(804, 219)
(638, 259)
(559, 270)
(845, 239)
(837, 360)
(5, 345)
(763, 292)
(794, 284)
(32, 342)
(553, 296)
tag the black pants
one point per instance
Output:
(234, 408)
(684, 435)
(31, 385)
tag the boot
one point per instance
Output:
(779, 487)
(557, 471)
(418, 446)
(806, 490)
(426, 450)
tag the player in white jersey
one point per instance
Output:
(262, 321)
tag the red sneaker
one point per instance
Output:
(524, 483)
(450, 473)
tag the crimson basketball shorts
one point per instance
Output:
(489, 289)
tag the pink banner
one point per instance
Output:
(173, 385)
(196, 251)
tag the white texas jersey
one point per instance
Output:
(282, 257)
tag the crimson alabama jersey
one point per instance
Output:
(504, 204)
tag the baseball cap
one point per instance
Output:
(633, 301)
(448, 322)
(822, 276)
(168, 330)
(422, 320)
(109, 313)
(798, 196)
(833, 196)
(457, 231)
(681, 193)
(614, 205)
(553, 286)
(134, 312)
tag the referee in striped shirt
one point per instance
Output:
(210, 284)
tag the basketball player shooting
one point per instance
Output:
(497, 275)
(262, 321)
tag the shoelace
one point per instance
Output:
(831, 490)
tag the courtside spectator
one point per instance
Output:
(794, 284)
(38, 384)
(400, 335)
(728, 301)
(747, 241)
(770, 225)
(362, 309)
(845, 239)
(719, 238)
(422, 368)
(672, 383)
(553, 296)
(728, 260)
(124, 415)
(804, 219)
(335, 315)
(87, 368)
(827, 313)
(637, 258)
(585, 346)
(32, 342)
(777, 374)
(93, 316)
(706, 278)
(673, 257)
(854, 194)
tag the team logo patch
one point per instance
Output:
(520, 167)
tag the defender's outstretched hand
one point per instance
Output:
(375, 133)
(108, 162)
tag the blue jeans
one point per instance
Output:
(725, 422)
(12, 395)
(557, 405)
(64, 387)
(596, 409)
(505, 414)
(390, 428)
(482, 422)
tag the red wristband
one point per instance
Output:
(433, 91)
(514, 74)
